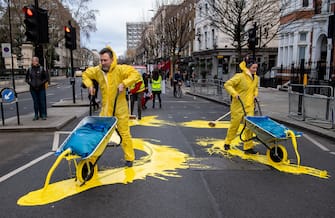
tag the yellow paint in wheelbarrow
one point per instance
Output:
(215, 146)
(160, 161)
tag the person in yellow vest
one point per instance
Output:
(156, 87)
(136, 94)
(243, 86)
(113, 79)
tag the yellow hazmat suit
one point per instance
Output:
(246, 87)
(108, 83)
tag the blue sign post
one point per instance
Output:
(8, 96)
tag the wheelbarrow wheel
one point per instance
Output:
(86, 170)
(277, 153)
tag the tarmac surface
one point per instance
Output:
(273, 102)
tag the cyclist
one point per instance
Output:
(176, 79)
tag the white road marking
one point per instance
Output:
(322, 147)
(55, 146)
(55, 143)
(20, 169)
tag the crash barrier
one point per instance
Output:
(312, 103)
(212, 88)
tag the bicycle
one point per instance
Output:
(178, 93)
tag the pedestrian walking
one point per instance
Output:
(93, 98)
(156, 86)
(242, 87)
(176, 79)
(136, 94)
(37, 78)
(113, 79)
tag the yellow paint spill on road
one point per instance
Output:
(215, 146)
(205, 124)
(150, 121)
(161, 162)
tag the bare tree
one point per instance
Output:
(235, 17)
(178, 29)
(85, 17)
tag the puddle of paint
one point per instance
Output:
(150, 121)
(160, 162)
(215, 146)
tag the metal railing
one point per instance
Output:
(312, 103)
(212, 88)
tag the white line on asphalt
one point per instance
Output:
(31, 163)
(55, 143)
(332, 153)
(322, 147)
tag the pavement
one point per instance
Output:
(273, 102)
(59, 115)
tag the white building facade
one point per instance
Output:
(214, 53)
(304, 38)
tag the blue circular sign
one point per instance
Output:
(7, 95)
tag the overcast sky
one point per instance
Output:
(111, 22)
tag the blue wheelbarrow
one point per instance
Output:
(270, 133)
(84, 146)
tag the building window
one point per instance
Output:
(302, 52)
(305, 3)
(302, 37)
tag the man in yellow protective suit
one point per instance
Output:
(243, 86)
(113, 79)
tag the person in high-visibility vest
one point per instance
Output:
(137, 91)
(156, 86)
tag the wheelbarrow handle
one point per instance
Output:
(257, 102)
(258, 106)
(245, 113)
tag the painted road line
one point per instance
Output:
(55, 143)
(26, 166)
(322, 147)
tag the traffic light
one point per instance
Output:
(31, 21)
(44, 26)
(36, 21)
(70, 37)
(252, 38)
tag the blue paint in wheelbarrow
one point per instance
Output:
(267, 129)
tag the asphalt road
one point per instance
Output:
(231, 187)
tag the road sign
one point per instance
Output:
(6, 51)
(8, 95)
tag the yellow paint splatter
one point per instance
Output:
(215, 146)
(205, 124)
(161, 162)
(150, 121)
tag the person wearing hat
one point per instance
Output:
(242, 86)
(113, 79)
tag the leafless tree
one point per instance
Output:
(178, 30)
(235, 17)
(85, 16)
